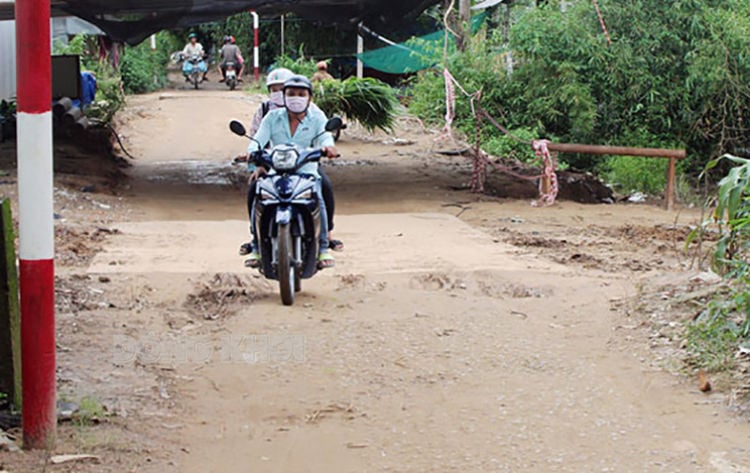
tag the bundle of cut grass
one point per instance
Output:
(369, 101)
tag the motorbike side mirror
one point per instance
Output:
(334, 123)
(237, 128)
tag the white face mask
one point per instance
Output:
(277, 98)
(296, 104)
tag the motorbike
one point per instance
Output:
(193, 68)
(287, 213)
(230, 75)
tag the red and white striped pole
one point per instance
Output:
(36, 226)
(256, 58)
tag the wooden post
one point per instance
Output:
(671, 175)
(10, 315)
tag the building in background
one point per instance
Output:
(62, 28)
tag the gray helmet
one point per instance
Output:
(298, 82)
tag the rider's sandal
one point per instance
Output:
(246, 249)
(326, 260)
(253, 261)
(336, 245)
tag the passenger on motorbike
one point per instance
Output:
(230, 52)
(301, 124)
(193, 48)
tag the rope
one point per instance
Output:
(548, 184)
(111, 129)
(450, 101)
(546, 196)
(601, 21)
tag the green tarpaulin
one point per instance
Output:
(414, 55)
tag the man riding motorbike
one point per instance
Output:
(230, 52)
(193, 48)
(275, 83)
(301, 124)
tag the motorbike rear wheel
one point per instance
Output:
(286, 270)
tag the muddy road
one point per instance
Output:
(456, 333)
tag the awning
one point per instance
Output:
(414, 55)
(132, 21)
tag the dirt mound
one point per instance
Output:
(77, 246)
(223, 294)
(575, 186)
(625, 247)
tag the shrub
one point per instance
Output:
(632, 174)
(725, 322)
(144, 70)
(677, 69)
(301, 65)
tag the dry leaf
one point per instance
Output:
(703, 383)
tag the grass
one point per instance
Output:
(90, 411)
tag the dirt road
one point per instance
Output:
(491, 341)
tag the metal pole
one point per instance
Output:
(283, 28)
(360, 50)
(36, 226)
(256, 59)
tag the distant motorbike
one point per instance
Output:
(230, 75)
(193, 67)
(287, 213)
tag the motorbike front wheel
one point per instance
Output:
(196, 80)
(286, 270)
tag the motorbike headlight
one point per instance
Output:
(284, 159)
(308, 194)
(265, 195)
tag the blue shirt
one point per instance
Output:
(274, 129)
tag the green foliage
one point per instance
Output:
(732, 215)
(725, 322)
(370, 102)
(677, 74)
(301, 65)
(90, 411)
(110, 96)
(506, 146)
(630, 174)
(712, 339)
(144, 70)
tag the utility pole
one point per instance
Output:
(36, 225)
(464, 11)
(282, 33)
(256, 42)
(360, 50)
(464, 26)
(506, 38)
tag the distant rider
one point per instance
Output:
(193, 48)
(230, 52)
(298, 123)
